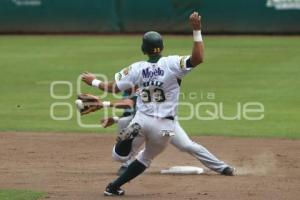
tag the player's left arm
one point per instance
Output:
(197, 56)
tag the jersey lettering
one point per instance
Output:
(153, 83)
(156, 95)
(147, 73)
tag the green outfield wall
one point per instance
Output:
(219, 16)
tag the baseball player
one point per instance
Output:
(180, 140)
(158, 80)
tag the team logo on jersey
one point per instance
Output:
(126, 70)
(182, 63)
(118, 76)
(147, 73)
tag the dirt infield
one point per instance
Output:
(78, 166)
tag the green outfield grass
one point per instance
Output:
(20, 195)
(236, 70)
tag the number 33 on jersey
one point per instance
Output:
(158, 83)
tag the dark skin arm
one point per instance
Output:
(109, 86)
(123, 104)
(107, 122)
(197, 56)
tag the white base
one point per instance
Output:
(183, 170)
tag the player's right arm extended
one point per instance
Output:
(109, 86)
(91, 79)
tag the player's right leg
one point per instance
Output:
(123, 122)
(127, 147)
(185, 144)
(157, 139)
(136, 146)
(125, 150)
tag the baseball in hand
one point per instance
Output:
(195, 21)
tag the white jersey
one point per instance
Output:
(158, 84)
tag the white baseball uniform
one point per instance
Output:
(157, 100)
(159, 93)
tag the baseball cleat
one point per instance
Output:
(228, 171)
(113, 191)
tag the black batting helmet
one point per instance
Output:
(152, 43)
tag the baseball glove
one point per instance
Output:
(87, 103)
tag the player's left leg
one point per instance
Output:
(185, 144)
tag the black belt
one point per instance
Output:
(170, 118)
(167, 117)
